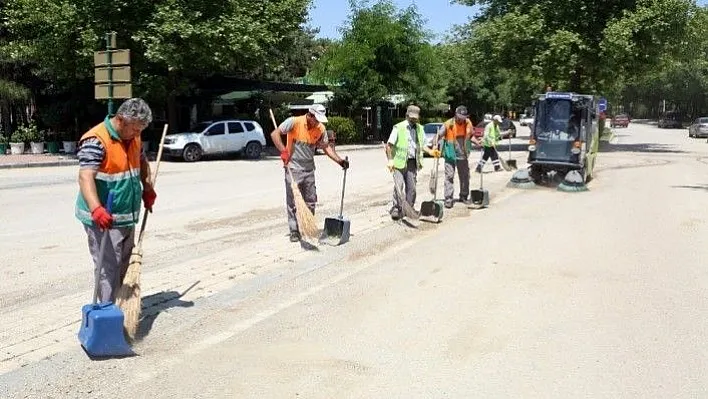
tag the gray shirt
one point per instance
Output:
(412, 140)
(303, 154)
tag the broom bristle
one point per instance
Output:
(305, 219)
(128, 298)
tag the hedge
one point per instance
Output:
(344, 129)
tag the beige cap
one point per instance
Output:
(413, 111)
(319, 111)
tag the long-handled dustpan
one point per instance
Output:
(480, 198)
(129, 294)
(433, 210)
(101, 331)
(337, 229)
(511, 163)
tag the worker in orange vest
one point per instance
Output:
(456, 133)
(305, 134)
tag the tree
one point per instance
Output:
(173, 43)
(383, 51)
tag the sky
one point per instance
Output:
(440, 15)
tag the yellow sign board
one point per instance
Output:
(120, 90)
(121, 74)
(118, 57)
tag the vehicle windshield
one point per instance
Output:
(703, 120)
(557, 119)
(431, 128)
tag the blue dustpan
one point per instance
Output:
(101, 332)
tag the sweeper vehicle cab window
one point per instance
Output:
(564, 137)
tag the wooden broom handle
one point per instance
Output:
(154, 180)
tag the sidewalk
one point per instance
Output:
(49, 160)
(36, 160)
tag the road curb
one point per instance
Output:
(21, 165)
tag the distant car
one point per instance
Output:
(506, 129)
(699, 127)
(670, 119)
(619, 120)
(217, 137)
(430, 130)
(526, 120)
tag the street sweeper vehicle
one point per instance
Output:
(563, 143)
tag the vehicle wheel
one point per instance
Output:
(192, 153)
(253, 150)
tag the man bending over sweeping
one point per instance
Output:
(305, 134)
(111, 159)
(404, 150)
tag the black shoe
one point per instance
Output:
(478, 169)
(294, 236)
(498, 169)
(448, 205)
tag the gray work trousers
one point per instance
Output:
(306, 183)
(115, 259)
(463, 172)
(405, 181)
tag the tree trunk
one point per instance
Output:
(172, 118)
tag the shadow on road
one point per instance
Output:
(641, 147)
(155, 304)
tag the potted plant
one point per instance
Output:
(36, 139)
(52, 142)
(3, 143)
(69, 143)
(17, 141)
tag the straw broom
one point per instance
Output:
(406, 207)
(128, 297)
(305, 219)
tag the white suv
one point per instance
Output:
(217, 137)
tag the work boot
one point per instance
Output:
(478, 169)
(498, 169)
(465, 201)
(395, 213)
(294, 236)
(448, 204)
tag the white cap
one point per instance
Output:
(497, 118)
(319, 111)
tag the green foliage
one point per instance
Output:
(383, 51)
(344, 128)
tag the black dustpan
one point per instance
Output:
(337, 229)
(480, 198)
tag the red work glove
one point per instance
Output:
(285, 156)
(149, 196)
(102, 218)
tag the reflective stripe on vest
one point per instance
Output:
(119, 172)
(400, 155)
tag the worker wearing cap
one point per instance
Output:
(305, 134)
(404, 150)
(456, 132)
(489, 145)
(111, 159)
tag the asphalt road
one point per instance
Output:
(544, 294)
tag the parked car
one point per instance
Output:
(699, 127)
(526, 120)
(507, 128)
(430, 130)
(671, 119)
(217, 137)
(619, 120)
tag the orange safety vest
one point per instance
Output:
(119, 172)
(300, 133)
(454, 130)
